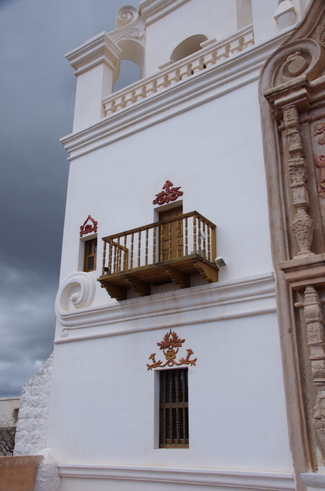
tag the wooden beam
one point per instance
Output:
(207, 271)
(138, 286)
(177, 277)
(115, 291)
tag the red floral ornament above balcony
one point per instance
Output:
(170, 194)
(87, 228)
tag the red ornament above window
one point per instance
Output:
(170, 194)
(87, 228)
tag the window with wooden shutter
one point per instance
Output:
(90, 255)
(173, 407)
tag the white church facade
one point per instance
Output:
(189, 350)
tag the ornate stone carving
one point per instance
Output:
(319, 417)
(319, 129)
(302, 225)
(316, 342)
(125, 16)
(320, 165)
(129, 26)
(320, 35)
(304, 57)
(295, 64)
(297, 170)
(170, 194)
(303, 228)
(89, 225)
(170, 346)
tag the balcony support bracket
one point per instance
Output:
(138, 286)
(177, 277)
(206, 271)
(115, 291)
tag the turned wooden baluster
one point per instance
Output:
(178, 242)
(139, 248)
(204, 239)
(209, 251)
(146, 252)
(213, 244)
(104, 258)
(125, 262)
(186, 236)
(154, 245)
(132, 248)
(194, 234)
(161, 235)
(110, 256)
(114, 256)
(118, 255)
(199, 237)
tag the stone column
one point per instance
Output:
(302, 225)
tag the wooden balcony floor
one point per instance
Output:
(140, 279)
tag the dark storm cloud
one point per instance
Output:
(37, 90)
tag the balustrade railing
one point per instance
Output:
(190, 233)
(210, 55)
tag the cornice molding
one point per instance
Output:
(314, 480)
(219, 80)
(232, 480)
(152, 10)
(220, 301)
(99, 49)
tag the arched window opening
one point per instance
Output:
(129, 73)
(187, 47)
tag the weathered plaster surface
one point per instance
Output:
(33, 413)
(32, 425)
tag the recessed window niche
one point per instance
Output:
(187, 47)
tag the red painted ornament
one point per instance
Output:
(170, 194)
(87, 228)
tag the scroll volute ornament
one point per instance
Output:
(304, 58)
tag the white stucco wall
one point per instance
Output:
(204, 135)
(191, 18)
(213, 152)
(237, 416)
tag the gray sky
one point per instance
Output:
(37, 89)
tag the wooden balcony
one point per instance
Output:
(162, 252)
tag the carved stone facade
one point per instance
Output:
(292, 82)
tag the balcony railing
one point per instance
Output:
(161, 252)
(212, 54)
